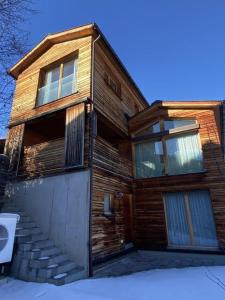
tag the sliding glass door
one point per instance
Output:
(189, 219)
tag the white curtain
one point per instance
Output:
(184, 154)
(177, 225)
(202, 218)
(148, 159)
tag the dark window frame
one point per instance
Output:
(163, 136)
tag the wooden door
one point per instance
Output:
(128, 217)
(74, 143)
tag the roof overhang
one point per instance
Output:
(77, 32)
(159, 106)
(46, 43)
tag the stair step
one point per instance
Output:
(26, 225)
(45, 261)
(26, 246)
(36, 253)
(24, 218)
(39, 237)
(66, 267)
(67, 277)
(28, 231)
(48, 272)
(40, 263)
(37, 259)
(43, 244)
(57, 259)
(22, 238)
(49, 251)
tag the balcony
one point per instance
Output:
(56, 90)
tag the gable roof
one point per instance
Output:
(46, 43)
(67, 35)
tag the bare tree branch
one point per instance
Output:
(13, 44)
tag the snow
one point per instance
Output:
(170, 284)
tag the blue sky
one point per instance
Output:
(173, 49)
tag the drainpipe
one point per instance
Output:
(91, 154)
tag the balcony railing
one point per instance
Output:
(56, 90)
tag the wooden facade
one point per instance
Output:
(94, 129)
(150, 219)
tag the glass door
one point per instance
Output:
(189, 219)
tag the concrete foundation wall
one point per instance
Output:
(60, 205)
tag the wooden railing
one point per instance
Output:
(108, 157)
(43, 158)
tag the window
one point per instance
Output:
(107, 209)
(184, 154)
(176, 153)
(112, 82)
(154, 128)
(58, 82)
(149, 159)
(189, 219)
(171, 124)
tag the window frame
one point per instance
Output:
(60, 63)
(189, 221)
(162, 136)
(111, 212)
(109, 78)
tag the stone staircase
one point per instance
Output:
(36, 257)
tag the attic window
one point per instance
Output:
(57, 82)
(154, 128)
(113, 83)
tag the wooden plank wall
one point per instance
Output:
(74, 140)
(27, 83)
(149, 213)
(42, 159)
(109, 158)
(13, 147)
(48, 157)
(106, 100)
(107, 235)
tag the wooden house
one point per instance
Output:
(98, 168)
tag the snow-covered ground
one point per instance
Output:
(171, 284)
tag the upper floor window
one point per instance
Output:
(165, 125)
(57, 82)
(154, 128)
(112, 81)
(170, 154)
(171, 124)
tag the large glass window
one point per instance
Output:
(189, 219)
(58, 82)
(174, 153)
(149, 159)
(154, 128)
(171, 124)
(184, 154)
